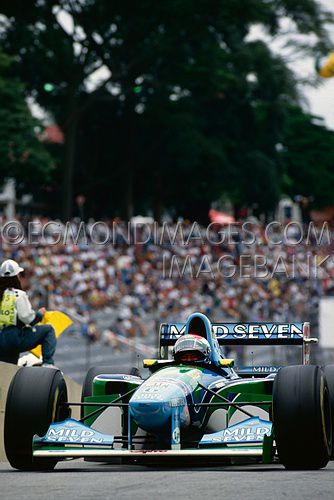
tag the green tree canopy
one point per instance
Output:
(307, 158)
(191, 109)
(22, 155)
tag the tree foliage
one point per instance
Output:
(192, 107)
(307, 158)
(22, 155)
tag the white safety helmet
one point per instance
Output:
(190, 348)
(10, 268)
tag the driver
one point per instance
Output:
(192, 348)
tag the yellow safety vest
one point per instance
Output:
(7, 310)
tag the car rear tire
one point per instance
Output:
(301, 417)
(329, 374)
(35, 400)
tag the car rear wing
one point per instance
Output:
(248, 334)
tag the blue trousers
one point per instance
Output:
(14, 340)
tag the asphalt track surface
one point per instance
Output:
(82, 480)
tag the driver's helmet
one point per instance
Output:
(191, 348)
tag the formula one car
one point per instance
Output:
(195, 406)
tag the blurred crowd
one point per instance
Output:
(135, 285)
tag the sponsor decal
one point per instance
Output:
(249, 370)
(70, 431)
(158, 388)
(266, 369)
(152, 390)
(176, 435)
(156, 391)
(149, 393)
(143, 452)
(260, 331)
(177, 402)
(176, 329)
(175, 438)
(115, 377)
(252, 430)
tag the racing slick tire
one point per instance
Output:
(35, 399)
(329, 374)
(301, 417)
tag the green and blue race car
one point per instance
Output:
(192, 406)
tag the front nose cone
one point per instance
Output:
(152, 406)
(151, 416)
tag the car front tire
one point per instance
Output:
(35, 400)
(301, 417)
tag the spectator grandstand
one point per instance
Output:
(137, 285)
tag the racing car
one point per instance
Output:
(193, 405)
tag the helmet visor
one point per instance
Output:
(188, 356)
